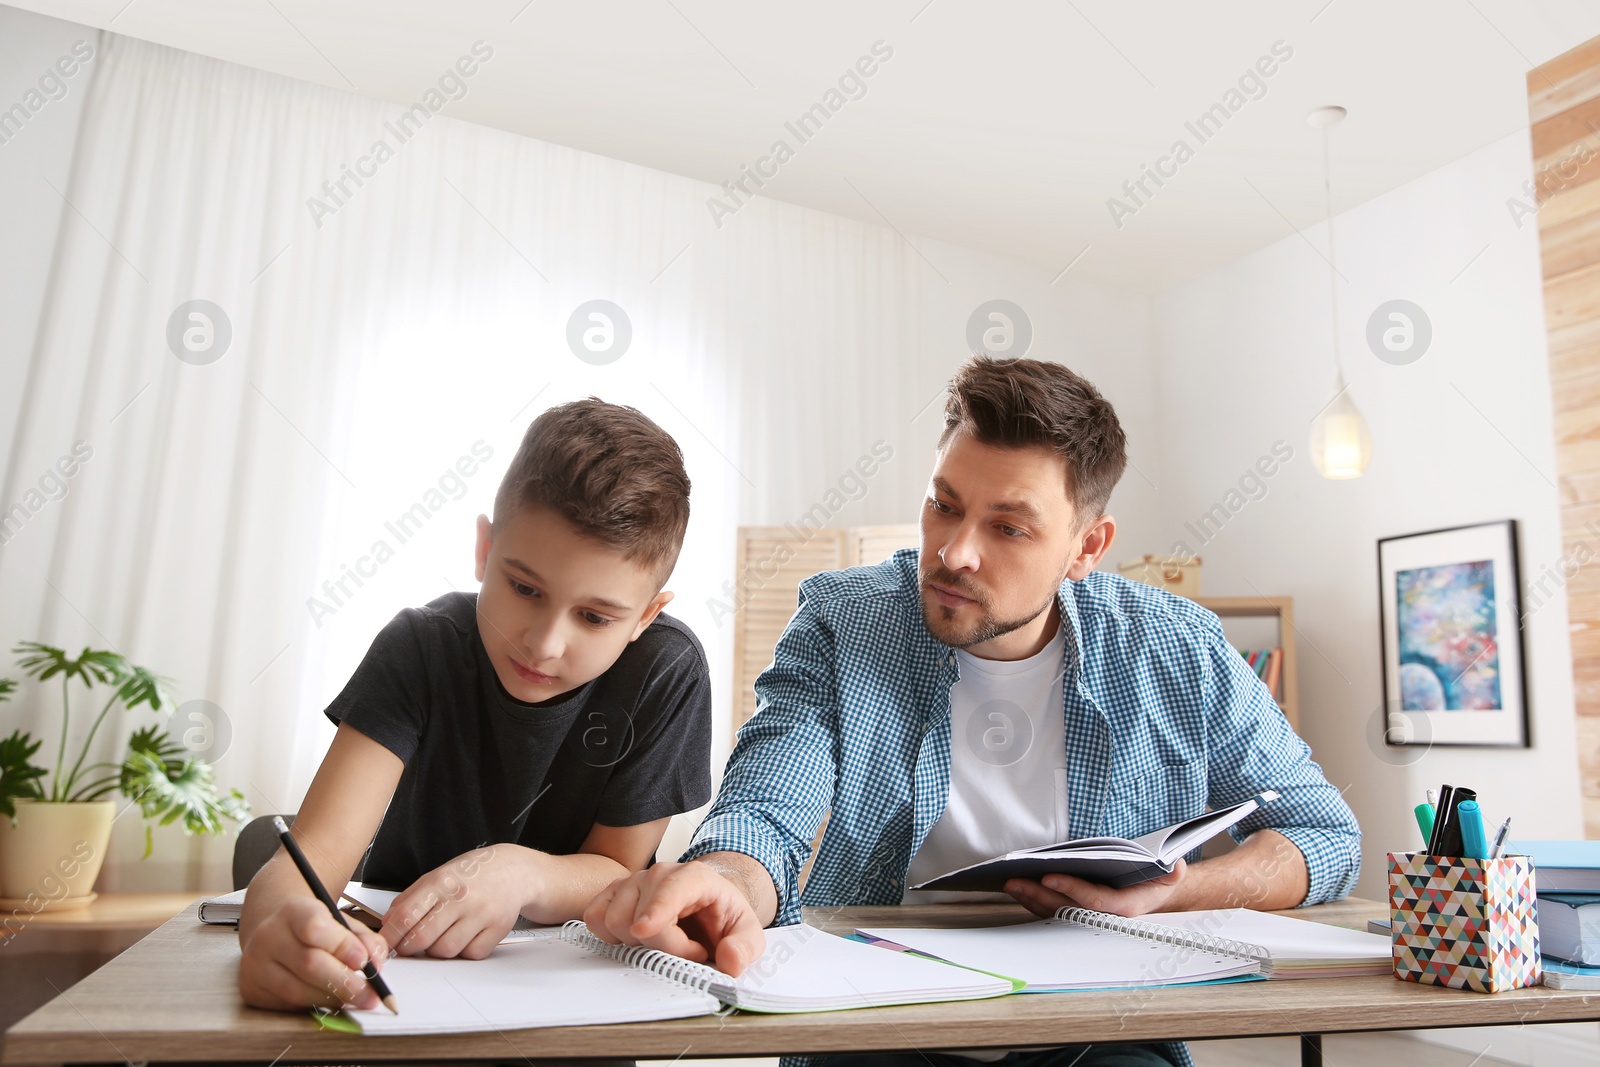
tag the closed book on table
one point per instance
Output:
(1560, 975)
(1569, 926)
(1561, 866)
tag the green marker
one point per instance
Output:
(1425, 823)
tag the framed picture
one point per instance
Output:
(1452, 637)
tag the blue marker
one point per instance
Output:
(1473, 841)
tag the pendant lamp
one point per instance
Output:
(1341, 445)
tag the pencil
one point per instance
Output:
(304, 865)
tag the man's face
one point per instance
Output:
(999, 534)
(556, 609)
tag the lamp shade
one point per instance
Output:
(1341, 445)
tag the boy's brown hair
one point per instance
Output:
(617, 477)
(1020, 403)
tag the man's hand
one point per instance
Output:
(300, 956)
(466, 906)
(686, 909)
(1266, 872)
(1055, 891)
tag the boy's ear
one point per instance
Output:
(481, 552)
(661, 600)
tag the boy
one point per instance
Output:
(516, 751)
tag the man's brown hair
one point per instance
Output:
(617, 477)
(1020, 403)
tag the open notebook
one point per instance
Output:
(567, 977)
(224, 910)
(1113, 861)
(1083, 949)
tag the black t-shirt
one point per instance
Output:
(482, 767)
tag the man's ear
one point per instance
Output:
(1096, 541)
(481, 552)
(661, 600)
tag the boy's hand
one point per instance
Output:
(1055, 891)
(300, 956)
(464, 907)
(687, 909)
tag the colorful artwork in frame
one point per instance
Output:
(1452, 637)
(1445, 622)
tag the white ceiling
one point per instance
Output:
(1003, 126)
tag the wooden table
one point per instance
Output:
(173, 998)
(43, 953)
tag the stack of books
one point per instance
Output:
(1566, 875)
(1268, 665)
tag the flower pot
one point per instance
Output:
(52, 855)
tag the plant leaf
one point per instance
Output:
(143, 686)
(170, 789)
(7, 687)
(44, 662)
(155, 741)
(18, 775)
(105, 666)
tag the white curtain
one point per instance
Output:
(372, 348)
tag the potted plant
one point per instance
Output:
(55, 822)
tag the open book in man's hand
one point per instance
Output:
(1112, 861)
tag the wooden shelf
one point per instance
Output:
(1281, 608)
(116, 912)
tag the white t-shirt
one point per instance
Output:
(1008, 758)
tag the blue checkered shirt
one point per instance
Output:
(1163, 720)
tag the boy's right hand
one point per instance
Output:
(300, 956)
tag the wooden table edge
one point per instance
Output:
(1184, 1013)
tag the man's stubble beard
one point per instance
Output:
(939, 619)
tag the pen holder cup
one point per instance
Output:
(1463, 922)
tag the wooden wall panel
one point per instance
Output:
(768, 568)
(770, 564)
(1564, 108)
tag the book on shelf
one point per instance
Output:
(1268, 665)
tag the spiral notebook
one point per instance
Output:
(565, 976)
(1083, 949)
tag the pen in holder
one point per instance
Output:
(1463, 922)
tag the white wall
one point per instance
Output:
(33, 159)
(1463, 435)
(1101, 332)
(816, 421)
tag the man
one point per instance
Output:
(900, 695)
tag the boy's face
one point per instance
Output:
(557, 609)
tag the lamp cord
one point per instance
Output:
(1333, 270)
